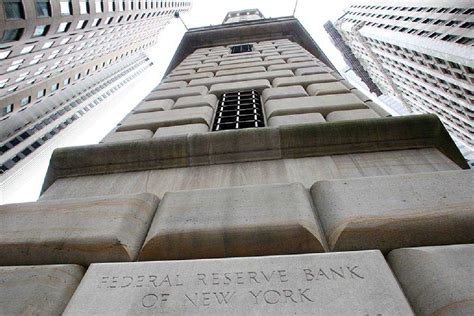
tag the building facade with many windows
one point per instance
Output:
(421, 53)
(48, 44)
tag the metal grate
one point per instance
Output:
(238, 110)
(245, 48)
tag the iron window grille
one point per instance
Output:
(244, 48)
(238, 110)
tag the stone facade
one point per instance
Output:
(308, 214)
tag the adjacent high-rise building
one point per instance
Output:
(420, 52)
(60, 58)
(252, 180)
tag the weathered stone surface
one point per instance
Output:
(296, 119)
(171, 85)
(353, 283)
(38, 290)
(327, 88)
(302, 80)
(351, 115)
(240, 71)
(155, 120)
(293, 66)
(127, 136)
(78, 231)
(243, 65)
(248, 59)
(282, 93)
(190, 77)
(396, 211)
(196, 101)
(153, 106)
(315, 104)
(181, 130)
(176, 93)
(311, 70)
(268, 75)
(436, 280)
(220, 88)
(240, 221)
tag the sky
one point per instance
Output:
(25, 184)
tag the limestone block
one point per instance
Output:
(238, 221)
(296, 55)
(296, 119)
(154, 105)
(240, 71)
(181, 130)
(155, 120)
(315, 104)
(312, 70)
(327, 88)
(302, 59)
(240, 60)
(283, 93)
(38, 290)
(171, 85)
(182, 72)
(196, 101)
(243, 65)
(293, 66)
(436, 280)
(268, 75)
(351, 115)
(272, 56)
(127, 136)
(220, 88)
(188, 78)
(240, 56)
(352, 283)
(303, 80)
(176, 93)
(190, 62)
(78, 231)
(400, 211)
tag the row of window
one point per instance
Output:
(13, 9)
(54, 87)
(27, 151)
(418, 9)
(42, 30)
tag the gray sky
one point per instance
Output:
(25, 184)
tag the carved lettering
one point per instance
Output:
(127, 277)
(351, 271)
(151, 299)
(224, 297)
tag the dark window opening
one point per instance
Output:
(245, 48)
(43, 8)
(238, 110)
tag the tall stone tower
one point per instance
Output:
(252, 180)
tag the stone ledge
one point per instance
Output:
(234, 222)
(38, 290)
(293, 141)
(411, 210)
(437, 280)
(80, 231)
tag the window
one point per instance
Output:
(81, 24)
(66, 7)
(12, 35)
(63, 27)
(41, 93)
(25, 101)
(41, 30)
(27, 49)
(13, 9)
(47, 45)
(7, 109)
(55, 87)
(108, 20)
(241, 48)
(238, 110)
(66, 81)
(99, 6)
(5, 54)
(84, 7)
(43, 8)
(95, 22)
